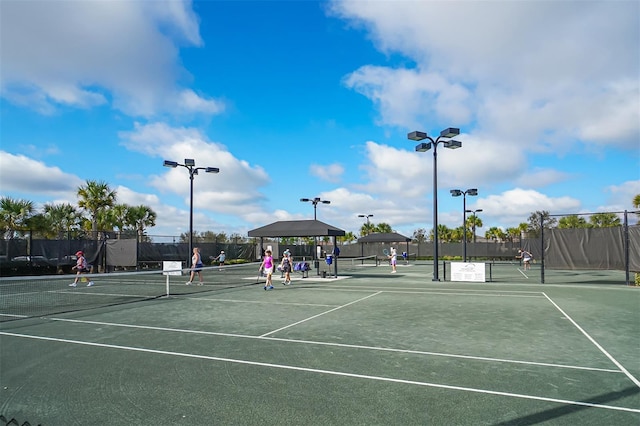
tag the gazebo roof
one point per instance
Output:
(297, 228)
(384, 237)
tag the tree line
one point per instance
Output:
(98, 211)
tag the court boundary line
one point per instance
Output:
(593, 341)
(329, 372)
(320, 314)
(335, 344)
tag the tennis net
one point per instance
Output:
(26, 297)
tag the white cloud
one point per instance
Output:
(19, 173)
(329, 173)
(86, 54)
(234, 191)
(523, 74)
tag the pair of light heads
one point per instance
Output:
(426, 146)
(190, 163)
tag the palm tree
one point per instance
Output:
(636, 203)
(367, 229)
(604, 220)
(513, 233)
(119, 217)
(141, 217)
(95, 197)
(494, 233)
(14, 215)
(62, 217)
(572, 221)
(444, 234)
(347, 238)
(383, 228)
(474, 222)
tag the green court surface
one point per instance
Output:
(368, 348)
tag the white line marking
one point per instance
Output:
(267, 302)
(340, 345)
(320, 314)
(332, 373)
(525, 275)
(624, 370)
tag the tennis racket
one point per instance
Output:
(385, 252)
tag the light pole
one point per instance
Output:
(190, 164)
(367, 216)
(315, 202)
(423, 147)
(474, 222)
(457, 193)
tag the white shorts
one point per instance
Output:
(268, 270)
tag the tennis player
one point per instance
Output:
(267, 267)
(81, 267)
(394, 260)
(526, 258)
(196, 266)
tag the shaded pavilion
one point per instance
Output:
(300, 229)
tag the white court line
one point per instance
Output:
(320, 314)
(525, 275)
(332, 373)
(387, 289)
(266, 301)
(624, 370)
(339, 345)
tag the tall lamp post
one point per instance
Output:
(424, 147)
(367, 216)
(315, 201)
(190, 164)
(457, 193)
(473, 212)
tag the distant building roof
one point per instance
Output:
(384, 237)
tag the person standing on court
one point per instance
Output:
(267, 267)
(221, 258)
(81, 267)
(196, 266)
(394, 259)
(286, 266)
(526, 258)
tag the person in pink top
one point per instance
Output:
(267, 267)
(81, 268)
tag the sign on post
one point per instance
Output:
(467, 271)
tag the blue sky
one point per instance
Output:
(298, 99)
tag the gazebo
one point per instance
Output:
(299, 228)
(384, 237)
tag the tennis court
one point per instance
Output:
(368, 348)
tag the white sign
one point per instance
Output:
(171, 267)
(466, 271)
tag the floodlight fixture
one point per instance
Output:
(450, 132)
(453, 144)
(423, 147)
(417, 136)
